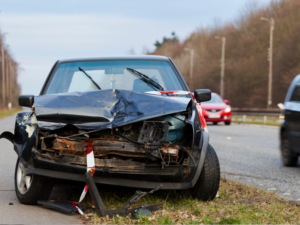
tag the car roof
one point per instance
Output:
(125, 57)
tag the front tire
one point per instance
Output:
(208, 183)
(30, 189)
(288, 158)
(227, 122)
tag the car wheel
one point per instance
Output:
(215, 123)
(30, 189)
(208, 183)
(227, 122)
(288, 157)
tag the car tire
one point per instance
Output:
(208, 183)
(215, 123)
(227, 122)
(30, 189)
(288, 157)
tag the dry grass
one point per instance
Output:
(237, 203)
(9, 113)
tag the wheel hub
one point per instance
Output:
(23, 182)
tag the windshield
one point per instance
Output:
(214, 99)
(86, 76)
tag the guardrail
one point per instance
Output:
(255, 111)
(256, 115)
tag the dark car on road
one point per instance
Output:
(145, 127)
(290, 128)
(216, 110)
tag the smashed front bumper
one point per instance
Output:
(150, 177)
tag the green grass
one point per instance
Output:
(9, 113)
(237, 204)
(257, 122)
(270, 120)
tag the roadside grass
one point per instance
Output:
(270, 120)
(237, 204)
(256, 122)
(9, 113)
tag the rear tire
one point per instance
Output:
(208, 183)
(288, 157)
(215, 123)
(30, 189)
(227, 122)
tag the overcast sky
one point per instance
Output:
(39, 33)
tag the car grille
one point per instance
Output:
(213, 110)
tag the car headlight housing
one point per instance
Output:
(227, 110)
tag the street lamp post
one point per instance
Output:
(191, 64)
(270, 58)
(3, 76)
(222, 65)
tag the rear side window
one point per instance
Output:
(296, 93)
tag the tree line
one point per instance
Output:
(246, 60)
(9, 87)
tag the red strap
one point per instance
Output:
(89, 148)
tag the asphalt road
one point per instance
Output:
(250, 154)
(247, 153)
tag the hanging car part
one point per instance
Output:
(102, 211)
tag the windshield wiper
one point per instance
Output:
(146, 79)
(96, 85)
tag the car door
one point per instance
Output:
(292, 116)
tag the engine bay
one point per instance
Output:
(161, 141)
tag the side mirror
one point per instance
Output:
(202, 95)
(26, 100)
(226, 101)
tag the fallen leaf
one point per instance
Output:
(164, 212)
(194, 217)
(152, 218)
(175, 220)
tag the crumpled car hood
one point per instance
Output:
(103, 109)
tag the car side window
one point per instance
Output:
(296, 93)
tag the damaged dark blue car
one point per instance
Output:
(145, 126)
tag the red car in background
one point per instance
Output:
(216, 110)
